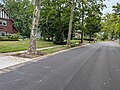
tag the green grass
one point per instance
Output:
(13, 46)
(62, 47)
(52, 50)
(119, 43)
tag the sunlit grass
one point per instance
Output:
(13, 46)
(52, 50)
(119, 43)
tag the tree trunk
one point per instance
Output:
(70, 24)
(82, 33)
(36, 15)
(90, 38)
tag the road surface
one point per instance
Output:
(92, 67)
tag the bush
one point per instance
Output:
(59, 38)
(10, 37)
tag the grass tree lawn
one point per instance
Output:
(13, 46)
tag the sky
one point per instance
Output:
(109, 4)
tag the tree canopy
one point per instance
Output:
(55, 18)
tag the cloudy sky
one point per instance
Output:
(109, 4)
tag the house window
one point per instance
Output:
(3, 23)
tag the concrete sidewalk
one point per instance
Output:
(6, 60)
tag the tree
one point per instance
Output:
(55, 23)
(93, 17)
(82, 14)
(111, 26)
(93, 25)
(70, 23)
(21, 12)
(85, 8)
(36, 15)
(116, 9)
(55, 18)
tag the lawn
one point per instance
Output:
(13, 46)
(52, 50)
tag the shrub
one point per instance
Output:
(10, 37)
(59, 38)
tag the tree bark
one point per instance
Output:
(70, 24)
(82, 33)
(36, 15)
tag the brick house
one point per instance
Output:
(6, 23)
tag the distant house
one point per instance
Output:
(6, 23)
(78, 34)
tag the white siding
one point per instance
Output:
(3, 15)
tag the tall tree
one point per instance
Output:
(70, 23)
(111, 26)
(36, 15)
(93, 18)
(116, 9)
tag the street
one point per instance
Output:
(91, 67)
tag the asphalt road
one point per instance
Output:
(92, 67)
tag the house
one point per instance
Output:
(6, 23)
(78, 34)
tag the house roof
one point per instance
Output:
(3, 9)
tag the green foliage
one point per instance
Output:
(111, 26)
(55, 17)
(54, 20)
(21, 12)
(59, 38)
(93, 18)
(116, 8)
(10, 37)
